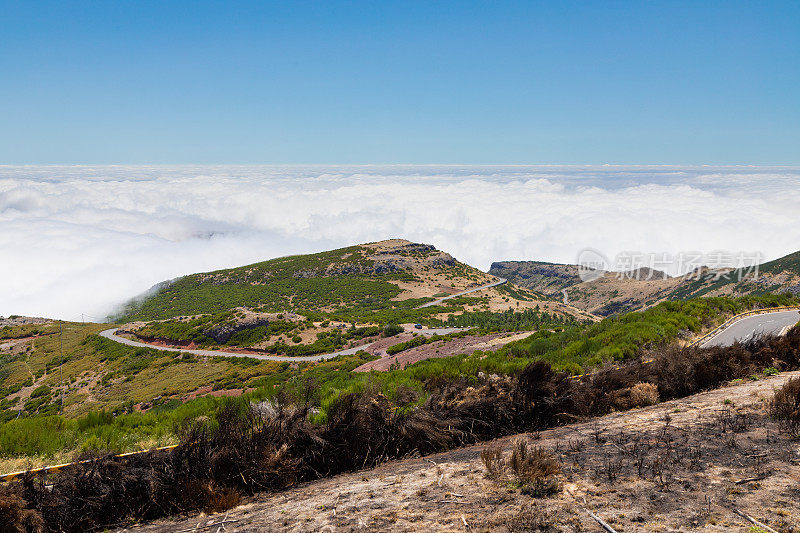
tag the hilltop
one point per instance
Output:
(618, 292)
(386, 282)
(348, 282)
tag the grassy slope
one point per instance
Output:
(274, 285)
(347, 282)
(140, 374)
(103, 380)
(99, 373)
(787, 263)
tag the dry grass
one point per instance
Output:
(535, 469)
(530, 520)
(644, 394)
(492, 457)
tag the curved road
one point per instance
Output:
(769, 323)
(462, 293)
(741, 330)
(111, 334)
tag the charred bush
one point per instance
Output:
(531, 468)
(16, 517)
(785, 405)
(535, 469)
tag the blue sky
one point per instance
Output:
(400, 82)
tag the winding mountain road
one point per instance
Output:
(775, 323)
(500, 281)
(111, 334)
(768, 323)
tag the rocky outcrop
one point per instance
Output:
(383, 259)
(543, 277)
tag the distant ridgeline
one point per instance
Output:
(614, 293)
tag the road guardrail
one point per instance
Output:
(716, 330)
(55, 468)
(740, 316)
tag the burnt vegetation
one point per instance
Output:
(785, 406)
(531, 468)
(246, 448)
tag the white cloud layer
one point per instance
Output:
(83, 239)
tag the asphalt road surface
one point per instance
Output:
(112, 335)
(435, 331)
(462, 293)
(741, 330)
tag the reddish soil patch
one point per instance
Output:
(10, 341)
(443, 348)
(207, 390)
(379, 346)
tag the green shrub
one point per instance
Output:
(42, 390)
(390, 330)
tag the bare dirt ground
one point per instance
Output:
(497, 302)
(682, 465)
(444, 348)
(8, 344)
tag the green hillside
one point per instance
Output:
(786, 264)
(286, 283)
(347, 282)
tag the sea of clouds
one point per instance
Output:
(83, 239)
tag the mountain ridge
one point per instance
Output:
(617, 292)
(348, 283)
